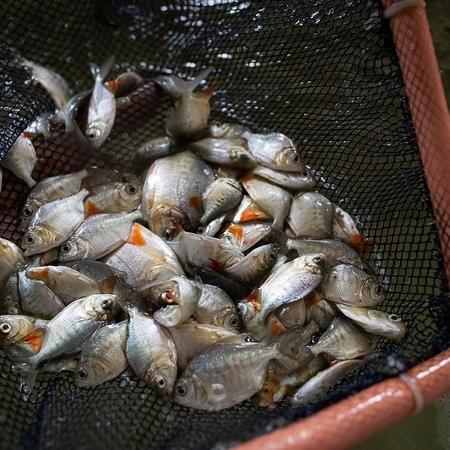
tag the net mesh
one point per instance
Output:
(323, 72)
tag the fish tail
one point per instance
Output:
(27, 372)
(191, 85)
(100, 73)
(281, 346)
(175, 86)
(70, 110)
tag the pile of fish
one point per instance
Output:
(218, 274)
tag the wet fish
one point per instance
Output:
(53, 223)
(270, 198)
(114, 198)
(245, 236)
(224, 130)
(56, 86)
(155, 148)
(221, 196)
(310, 216)
(215, 307)
(103, 356)
(66, 283)
(179, 297)
(319, 384)
(350, 285)
(98, 235)
(301, 181)
(102, 107)
(224, 152)
(188, 119)
(342, 340)
(375, 322)
(151, 352)
(276, 151)
(48, 190)
(21, 159)
(249, 211)
(9, 296)
(344, 228)
(173, 191)
(11, 258)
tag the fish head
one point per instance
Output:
(219, 129)
(12, 328)
(315, 262)
(392, 324)
(30, 207)
(37, 240)
(372, 293)
(166, 221)
(248, 311)
(129, 193)
(102, 307)
(190, 391)
(97, 132)
(162, 375)
(288, 157)
(89, 371)
(73, 249)
(240, 154)
(228, 319)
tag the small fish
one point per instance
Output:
(301, 181)
(191, 338)
(375, 322)
(173, 191)
(66, 283)
(53, 223)
(215, 307)
(11, 258)
(222, 195)
(114, 198)
(350, 285)
(9, 296)
(310, 216)
(151, 352)
(48, 190)
(145, 259)
(37, 299)
(270, 198)
(154, 149)
(249, 211)
(276, 151)
(180, 297)
(21, 159)
(20, 336)
(213, 227)
(245, 236)
(188, 119)
(225, 130)
(226, 374)
(102, 107)
(336, 252)
(103, 356)
(124, 83)
(344, 228)
(56, 86)
(342, 340)
(224, 152)
(98, 235)
(319, 384)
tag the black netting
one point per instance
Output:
(325, 73)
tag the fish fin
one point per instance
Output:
(197, 203)
(253, 213)
(175, 86)
(312, 298)
(108, 285)
(255, 299)
(90, 208)
(237, 231)
(37, 273)
(112, 85)
(191, 85)
(27, 372)
(34, 339)
(283, 345)
(277, 327)
(208, 92)
(215, 265)
(136, 236)
(248, 176)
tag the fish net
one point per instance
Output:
(323, 72)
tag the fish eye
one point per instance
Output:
(82, 373)
(169, 233)
(93, 133)
(27, 211)
(315, 338)
(5, 328)
(296, 158)
(304, 173)
(160, 381)
(29, 239)
(107, 303)
(394, 318)
(180, 390)
(66, 247)
(378, 290)
(130, 189)
(319, 260)
(234, 321)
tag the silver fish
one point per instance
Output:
(66, 283)
(11, 258)
(270, 198)
(375, 322)
(21, 159)
(350, 285)
(189, 117)
(191, 338)
(344, 228)
(151, 352)
(224, 152)
(114, 198)
(98, 235)
(155, 148)
(301, 181)
(56, 86)
(215, 307)
(180, 297)
(222, 195)
(48, 190)
(311, 215)
(319, 384)
(173, 191)
(103, 356)
(102, 107)
(53, 223)
(37, 299)
(225, 130)
(276, 151)
(9, 296)
(245, 236)
(342, 340)
(336, 252)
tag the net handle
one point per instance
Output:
(360, 416)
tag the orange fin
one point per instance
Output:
(255, 299)
(312, 298)
(253, 213)
(34, 339)
(237, 231)
(113, 86)
(215, 265)
(108, 285)
(27, 135)
(197, 203)
(248, 176)
(90, 208)
(136, 236)
(277, 327)
(208, 92)
(38, 273)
